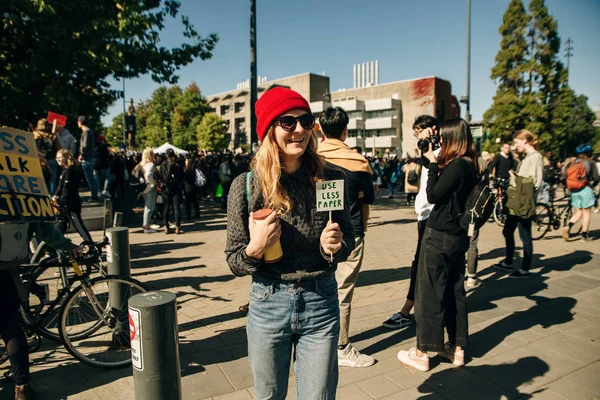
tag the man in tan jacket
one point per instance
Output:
(359, 185)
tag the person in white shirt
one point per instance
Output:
(425, 128)
(150, 192)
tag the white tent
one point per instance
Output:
(163, 149)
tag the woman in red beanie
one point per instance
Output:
(293, 301)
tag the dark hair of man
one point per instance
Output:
(425, 121)
(333, 121)
(457, 141)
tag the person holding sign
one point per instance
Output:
(440, 292)
(293, 297)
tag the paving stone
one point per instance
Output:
(585, 380)
(352, 392)
(570, 391)
(378, 387)
(239, 395)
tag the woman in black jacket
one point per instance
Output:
(440, 293)
(190, 190)
(67, 192)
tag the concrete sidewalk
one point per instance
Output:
(533, 338)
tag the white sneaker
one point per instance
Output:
(473, 282)
(150, 230)
(350, 357)
(106, 194)
(410, 358)
(450, 353)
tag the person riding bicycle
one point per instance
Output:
(14, 250)
(581, 175)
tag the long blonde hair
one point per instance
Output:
(69, 159)
(147, 156)
(267, 165)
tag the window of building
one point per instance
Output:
(356, 133)
(381, 132)
(224, 110)
(356, 114)
(240, 125)
(240, 107)
(381, 114)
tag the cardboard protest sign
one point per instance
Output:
(23, 192)
(330, 195)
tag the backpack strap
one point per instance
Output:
(248, 178)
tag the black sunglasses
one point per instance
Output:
(288, 122)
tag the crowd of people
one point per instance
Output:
(301, 299)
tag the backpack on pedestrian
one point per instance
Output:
(478, 207)
(577, 176)
(137, 180)
(412, 178)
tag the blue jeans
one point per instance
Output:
(103, 179)
(305, 317)
(149, 205)
(88, 170)
(391, 186)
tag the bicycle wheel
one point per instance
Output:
(541, 221)
(498, 213)
(94, 323)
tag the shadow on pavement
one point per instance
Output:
(153, 249)
(379, 276)
(474, 382)
(395, 221)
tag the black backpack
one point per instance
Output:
(137, 180)
(478, 207)
(413, 177)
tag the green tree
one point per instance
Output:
(187, 114)
(212, 133)
(114, 133)
(505, 114)
(58, 55)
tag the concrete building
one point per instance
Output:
(381, 115)
(234, 106)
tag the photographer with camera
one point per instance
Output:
(425, 129)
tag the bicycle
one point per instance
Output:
(499, 214)
(92, 317)
(549, 215)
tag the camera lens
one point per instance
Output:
(423, 144)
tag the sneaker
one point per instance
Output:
(150, 230)
(155, 226)
(106, 194)
(565, 233)
(585, 239)
(473, 282)
(450, 353)
(519, 274)
(398, 321)
(410, 358)
(350, 357)
(504, 266)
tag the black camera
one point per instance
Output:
(423, 144)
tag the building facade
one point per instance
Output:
(381, 115)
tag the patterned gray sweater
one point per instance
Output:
(303, 257)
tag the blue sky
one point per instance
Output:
(410, 39)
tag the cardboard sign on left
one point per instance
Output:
(23, 193)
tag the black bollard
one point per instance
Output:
(155, 346)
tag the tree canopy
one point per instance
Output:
(212, 133)
(533, 92)
(59, 55)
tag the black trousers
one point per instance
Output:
(16, 347)
(524, 225)
(172, 200)
(421, 225)
(441, 298)
(191, 203)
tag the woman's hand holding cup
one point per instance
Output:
(262, 235)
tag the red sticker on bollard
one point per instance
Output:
(137, 357)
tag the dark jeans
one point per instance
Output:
(191, 203)
(421, 225)
(524, 225)
(411, 196)
(172, 200)
(441, 298)
(473, 255)
(16, 348)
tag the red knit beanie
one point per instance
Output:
(274, 103)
